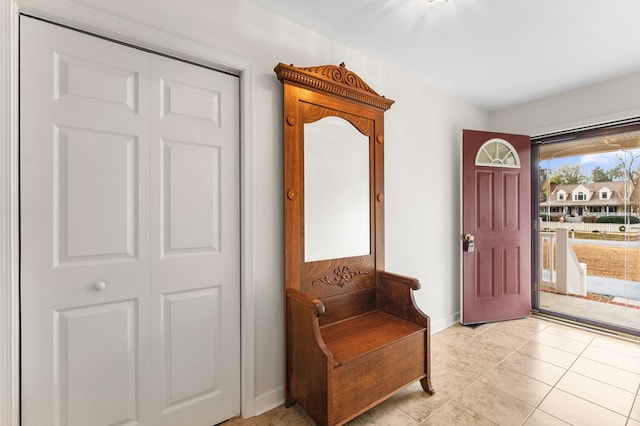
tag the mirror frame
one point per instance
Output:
(310, 94)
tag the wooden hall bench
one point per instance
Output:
(353, 333)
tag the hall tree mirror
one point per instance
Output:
(354, 335)
(336, 182)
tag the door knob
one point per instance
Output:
(468, 243)
(99, 285)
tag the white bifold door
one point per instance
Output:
(130, 235)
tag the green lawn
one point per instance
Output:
(605, 236)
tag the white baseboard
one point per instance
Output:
(269, 400)
(445, 322)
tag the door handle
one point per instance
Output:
(467, 244)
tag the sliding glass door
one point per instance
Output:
(588, 235)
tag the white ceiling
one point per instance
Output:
(492, 53)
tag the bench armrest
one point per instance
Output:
(308, 360)
(305, 300)
(303, 329)
(395, 296)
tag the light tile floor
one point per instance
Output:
(522, 372)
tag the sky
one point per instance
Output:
(588, 162)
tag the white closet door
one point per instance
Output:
(105, 338)
(195, 252)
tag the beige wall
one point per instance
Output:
(614, 99)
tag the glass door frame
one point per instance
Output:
(597, 130)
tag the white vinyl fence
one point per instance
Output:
(590, 227)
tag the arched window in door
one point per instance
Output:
(497, 152)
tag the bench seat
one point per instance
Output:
(360, 335)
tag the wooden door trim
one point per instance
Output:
(104, 25)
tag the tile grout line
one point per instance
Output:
(636, 400)
(486, 372)
(453, 397)
(560, 378)
(589, 343)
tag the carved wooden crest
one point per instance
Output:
(337, 80)
(341, 276)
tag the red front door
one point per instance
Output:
(496, 226)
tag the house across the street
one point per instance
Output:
(588, 199)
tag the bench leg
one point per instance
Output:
(426, 385)
(289, 401)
